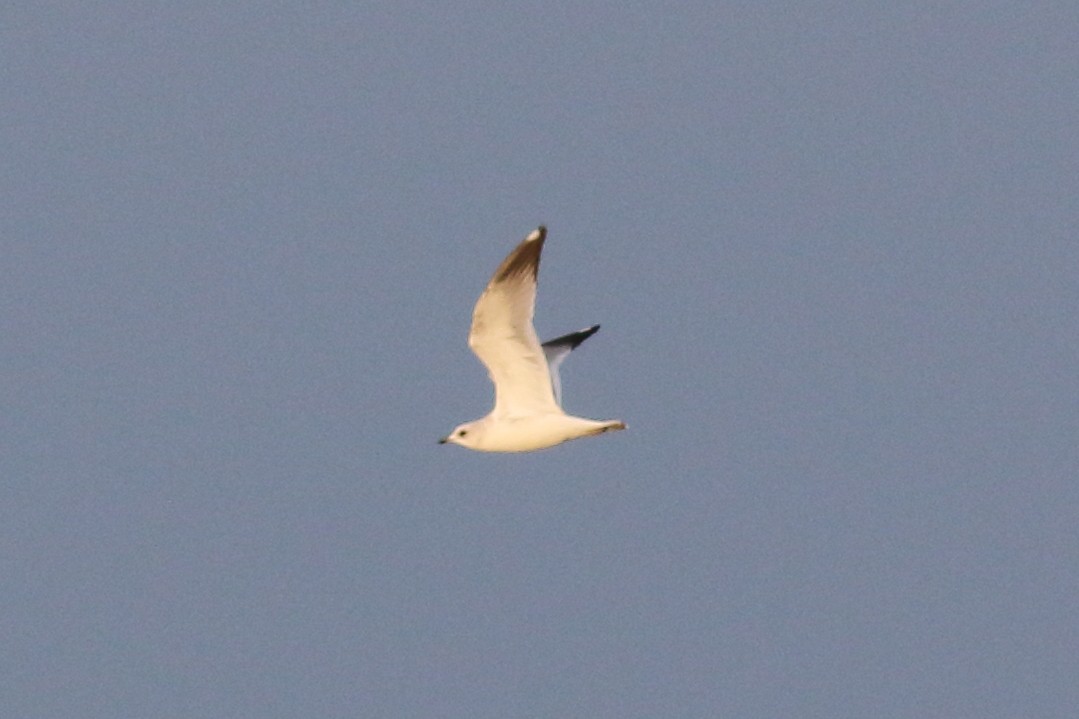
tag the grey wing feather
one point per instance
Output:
(556, 350)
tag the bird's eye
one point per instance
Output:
(462, 433)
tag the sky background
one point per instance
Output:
(833, 248)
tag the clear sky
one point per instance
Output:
(834, 248)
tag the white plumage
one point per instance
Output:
(528, 392)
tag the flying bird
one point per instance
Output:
(528, 392)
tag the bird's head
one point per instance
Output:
(466, 435)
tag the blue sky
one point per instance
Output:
(833, 250)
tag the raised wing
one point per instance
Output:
(556, 350)
(503, 337)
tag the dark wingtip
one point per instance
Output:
(573, 339)
(585, 334)
(525, 258)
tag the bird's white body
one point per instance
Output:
(528, 433)
(527, 414)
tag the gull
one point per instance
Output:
(528, 392)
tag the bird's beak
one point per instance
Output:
(444, 440)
